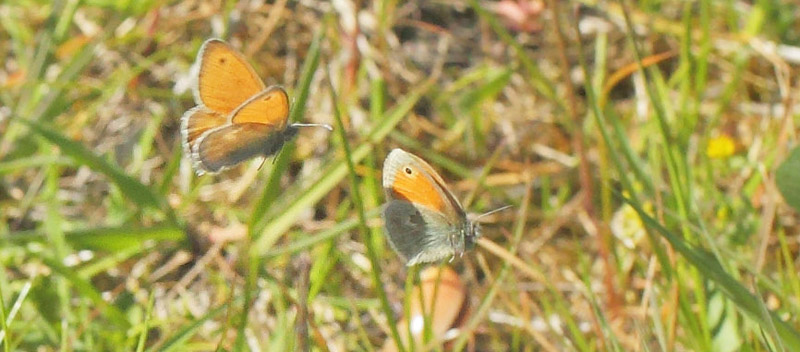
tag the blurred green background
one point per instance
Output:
(646, 148)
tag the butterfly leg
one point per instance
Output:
(275, 158)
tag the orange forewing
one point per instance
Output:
(428, 169)
(270, 107)
(226, 80)
(412, 185)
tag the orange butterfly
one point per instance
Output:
(423, 221)
(237, 117)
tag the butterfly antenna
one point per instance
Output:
(492, 212)
(323, 125)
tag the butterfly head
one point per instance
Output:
(470, 234)
(472, 227)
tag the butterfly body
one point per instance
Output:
(237, 117)
(423, 220)
(265, 144)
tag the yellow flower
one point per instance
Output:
(720, 147)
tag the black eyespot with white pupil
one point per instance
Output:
(408, 170)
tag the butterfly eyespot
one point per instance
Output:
(222, 60)
(408, 170)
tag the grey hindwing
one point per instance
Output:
(270, 144)
(417, 234)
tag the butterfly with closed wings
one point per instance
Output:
(423, 220)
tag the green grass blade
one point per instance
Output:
(4, 338)
(786, 178)
(112, 239)
(710, 268)
(355, 192)
(495, 81)
(146, 325)
(137, 192)
(176, 341)
(540, 82)
(519, 229)
(116, 239)
(88, 291)
(272, 189)
(7, 167)
(307, 241)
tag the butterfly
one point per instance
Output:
(423, 220)
(237, 117)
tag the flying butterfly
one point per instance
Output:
(237, 117)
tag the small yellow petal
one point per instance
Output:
(720, 147)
